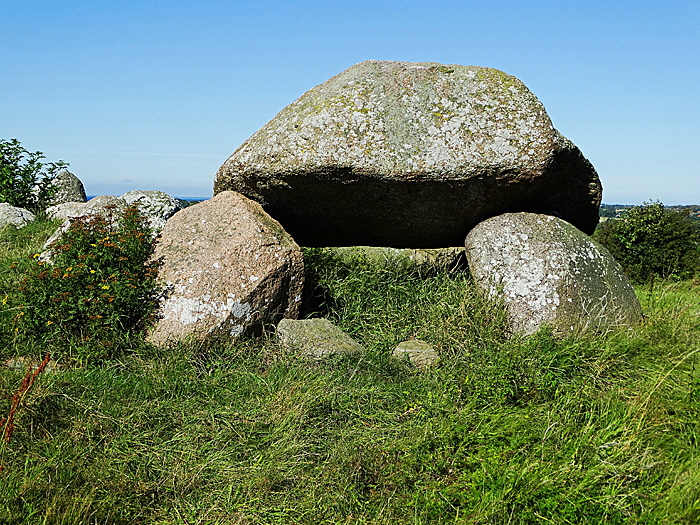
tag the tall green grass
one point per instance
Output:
(595, 429)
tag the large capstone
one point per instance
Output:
(230, 270)
(549, 273)
(411, 155)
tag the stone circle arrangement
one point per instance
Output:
(413, 161)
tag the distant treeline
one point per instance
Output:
(614, 211)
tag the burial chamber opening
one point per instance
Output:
(338, 211)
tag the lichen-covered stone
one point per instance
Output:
(315, 338)
(549, 273)
(418, 352)
(156, 206)
(12, 215)
(105, 205)
(230, 270)
(410, 155)
(68, 188)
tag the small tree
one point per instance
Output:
(652, 241)
(25, 181)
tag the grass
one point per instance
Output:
(600, 429)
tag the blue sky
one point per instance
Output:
(156, 95)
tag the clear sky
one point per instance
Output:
(157, 94)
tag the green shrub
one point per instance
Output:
(100, 288)
(25, 182)
(651, 241)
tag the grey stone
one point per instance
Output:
(99, 205)
(549, 273)
(11, 215)
(230, 270)
(156, 206)
(68, 188)
(422, 261)
(315, 338)
(420, 353)
(411, 155)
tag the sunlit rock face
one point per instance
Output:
(68, 188)
(548, 273)
(411, 155)
(230, 270)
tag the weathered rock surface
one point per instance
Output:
(315, 338)
(411, 155)
(230, 268)
(68, 188)
(99, 205)
(423, 261)
(157, 206)
(420, 353)
(549, 273)
(11, 215)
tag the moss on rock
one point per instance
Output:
(549, 273)
(345, 163)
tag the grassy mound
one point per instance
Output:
(587, 430)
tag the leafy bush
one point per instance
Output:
(652, 241)
(100, 289)
(25, 182)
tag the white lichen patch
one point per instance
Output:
(192, 310)
(526, 280)
(548, 272)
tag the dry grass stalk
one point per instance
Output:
(7, 424)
